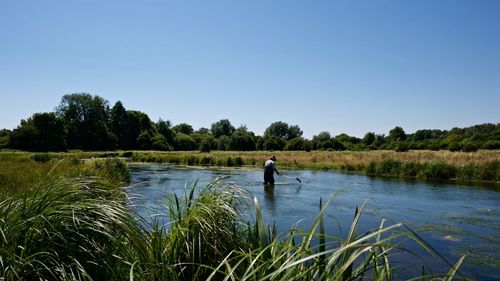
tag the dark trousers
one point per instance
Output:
(268, 176)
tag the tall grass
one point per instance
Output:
(76, 229)
(28, 171)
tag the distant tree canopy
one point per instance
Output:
(222, 128)
(282, 130)
(41, 132)
(84, 121)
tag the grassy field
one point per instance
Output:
(68, 220)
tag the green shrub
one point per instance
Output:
(491, 145)
(41, 157)
(401, 146)
(127, 154)
(388, 167)
(455, 146)
(470, 146)
(111, 168)
(238, 161)
(438, 171)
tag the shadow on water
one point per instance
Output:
(463, 218)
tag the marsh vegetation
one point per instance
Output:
(71, 222)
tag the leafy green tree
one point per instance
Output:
(401, 146)
(379, 140)
(138, 123)
(224, 143)
(4, 137)
(203, 131)
(347, 141)
(222, 128)
(23, 136)
(145, 140)
(283, 130)
(41, 132)
(454, 146)
(183, 128)
(274, 143)
(470, 146)
(184, 142)
(51, 132)
(86, 120)
(165, 128)
(159, 142)
(242, 140)
(294, 132)
(369, 138)
(277, 129)
(320, 138)
(397, 134)
(119, 124)
(259, 142)
(298, 144)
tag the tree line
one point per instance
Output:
(87, 122)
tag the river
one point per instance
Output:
(464, 219)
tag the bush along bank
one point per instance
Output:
(489, 172)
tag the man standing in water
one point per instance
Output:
(269, 168)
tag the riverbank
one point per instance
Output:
(482, 166)
(473, 167)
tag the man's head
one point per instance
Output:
(273, 158)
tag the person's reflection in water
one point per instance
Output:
(269, 197)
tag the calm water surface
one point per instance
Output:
(471, 209)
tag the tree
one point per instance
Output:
(165, 128)
(223, 143)
(41, 132)
(138, 123)
(320, 138)
(294, 132)
(222, 128)
(277, 129)
(86, 118)
(159, 142)
(274, 143)
(4, 137)
(242, 139)
(283, 130)
(184, 142)
(369, 138)
(183, 128)
(297, 144)
(119, 124)
(397, 134)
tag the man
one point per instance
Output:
(269, 169)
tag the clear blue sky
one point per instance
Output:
(338, 66)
